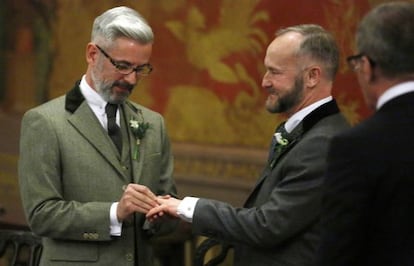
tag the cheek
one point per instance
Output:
(282, 84)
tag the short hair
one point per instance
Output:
(121, 22)
(386, 36)
(317, 43)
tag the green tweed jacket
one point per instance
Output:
(70, 174)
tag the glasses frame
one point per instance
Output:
(141, 70)
(353, 60)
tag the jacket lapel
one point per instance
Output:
(88, 126)
(327, 109)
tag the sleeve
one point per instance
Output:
(186, 208)
(42, 189)
(116, 226)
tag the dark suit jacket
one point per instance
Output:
(368, 212)
(279, 224)
(70, 175)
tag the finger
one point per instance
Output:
(131, 203)
(156, 211)
(141, 196)
(144, 190)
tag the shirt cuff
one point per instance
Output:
(185, 210)
(115, 226)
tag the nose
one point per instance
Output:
(266, 81)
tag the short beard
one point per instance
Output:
(290, 100)
(104, 88)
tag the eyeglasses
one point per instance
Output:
(353, 61)
(125, 68)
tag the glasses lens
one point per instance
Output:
(354, 60)
(144, 70)
(124, 69)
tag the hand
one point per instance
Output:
(167, 204)
(136, 198)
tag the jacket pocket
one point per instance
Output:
(71, 251)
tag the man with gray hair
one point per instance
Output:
(368, 214)
(92, 162)
(279, 222)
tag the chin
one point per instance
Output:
(271, 106)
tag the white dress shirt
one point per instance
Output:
(97, 104)
(395, 91)
(185, 209)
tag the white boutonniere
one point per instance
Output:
(138, 129)
(281, 141)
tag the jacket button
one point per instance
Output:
(129, 257)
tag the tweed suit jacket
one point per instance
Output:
(279, 224)
(368, 213)
(70, 173)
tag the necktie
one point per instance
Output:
(280, 129)
(114, 131)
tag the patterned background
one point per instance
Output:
(208, 59)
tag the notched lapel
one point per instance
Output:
(327, 109)
(84, 120)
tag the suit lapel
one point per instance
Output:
(327, 109)
(88, 126)
(293, 138)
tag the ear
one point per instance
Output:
(91, 53)
(312, 76)
(366, 70)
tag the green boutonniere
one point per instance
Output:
(138, 129)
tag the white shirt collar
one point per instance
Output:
(93, 99)
(296, 118)
(395, 91)
(96, 103)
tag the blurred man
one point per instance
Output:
(368, 216)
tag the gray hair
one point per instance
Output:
(318, 44)
(121, 22)
(386, 36)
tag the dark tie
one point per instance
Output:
(114, 131)
(280, 129)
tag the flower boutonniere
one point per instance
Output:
(138, 129)
(281, 141)
(281, 144)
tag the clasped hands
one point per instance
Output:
(139, 198)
